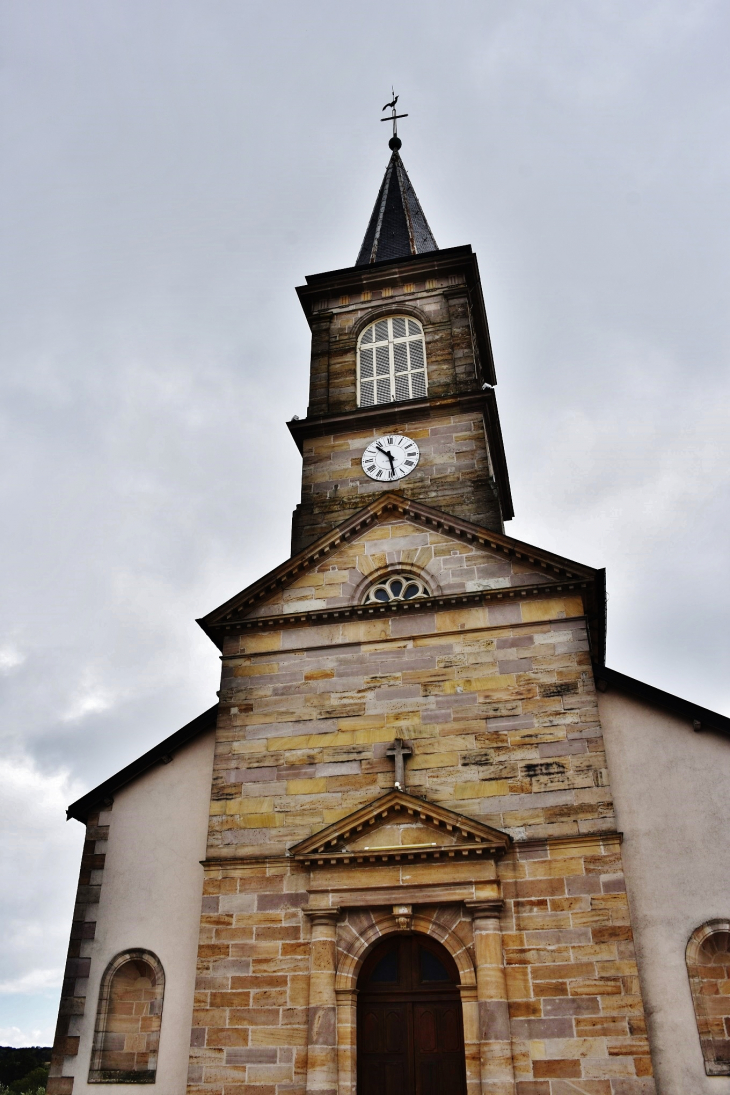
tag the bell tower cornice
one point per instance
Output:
(404, 282)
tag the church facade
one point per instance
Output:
(426, 843)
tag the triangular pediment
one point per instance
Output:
(396, 827)
(328, 579)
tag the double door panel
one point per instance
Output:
(410, 1047)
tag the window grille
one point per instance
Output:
(391, 361)
(396, 587)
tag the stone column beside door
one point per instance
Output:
(497, 1070)
(347, 1041)
(322, 1019)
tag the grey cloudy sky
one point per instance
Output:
(169, 172)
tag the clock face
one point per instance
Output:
(390, 458)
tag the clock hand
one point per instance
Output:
(387, 453)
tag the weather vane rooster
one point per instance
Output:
(394, 141)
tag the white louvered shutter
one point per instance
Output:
(391, 362)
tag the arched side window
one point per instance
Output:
(396, 587)
(391, 361)
(708, 966)
(128, 1018)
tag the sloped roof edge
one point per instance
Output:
(83, 806)
(392, 501)
(609, 678)
(700, 717)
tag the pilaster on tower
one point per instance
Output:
(451, 414)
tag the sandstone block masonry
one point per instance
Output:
(439, 299)
(462, 470)
(499, 705)
(454, 472)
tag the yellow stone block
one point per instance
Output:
(310, 741)
(446, 871)
(278, 1036)
(552, 608)
(554, 868)
(462, 619)
(366, 631)
(306, 786)
(365, 564)
(358, 722)
(334, 815)
(250, 806)
(405, 528)
(258, 821)
(268, 1074)
(488, 684)
(433, 760)
(260, 642)
(482, 789)
(378, 733)
(584, 847)
(255, 669)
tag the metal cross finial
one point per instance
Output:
(395, 141)
(399, 750)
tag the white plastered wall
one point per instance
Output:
(151, 893)
(671, 788)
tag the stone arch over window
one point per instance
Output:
(396, 586)
(708, 967)
(128, 1019)
(391, 361)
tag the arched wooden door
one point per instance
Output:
(410, 1038)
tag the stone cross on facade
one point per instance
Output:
(399, 750)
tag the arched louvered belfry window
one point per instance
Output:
(391, 359)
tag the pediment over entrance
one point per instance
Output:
(399, 827)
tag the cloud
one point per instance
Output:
(10, 657)
(36, 913)
(14, 1036)
(91, 698)
(33, 981)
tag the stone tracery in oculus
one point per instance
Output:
(397, 587)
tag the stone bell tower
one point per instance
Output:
(451, 414)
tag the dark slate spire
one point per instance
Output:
(398, 227)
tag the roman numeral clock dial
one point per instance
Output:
(390, 458)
